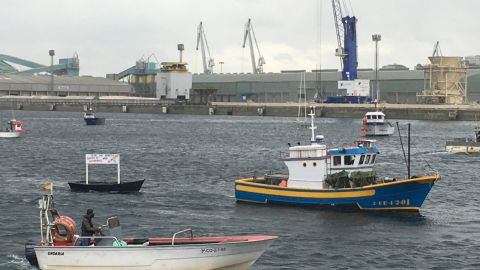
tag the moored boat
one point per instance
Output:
(465, 145)
(131, 186)
(119, 186)
(91, 119)
(61, 249)
(375, 124)
(336, 177)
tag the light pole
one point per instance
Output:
(376, 38)
(51, 53)
(221, 66)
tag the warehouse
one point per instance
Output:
(396, 86)
(46, 85)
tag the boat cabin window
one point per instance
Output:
(369, 117)
(362, 158)
(373, 159)
(367, 159)
(374, 117)
(380, 117)
(348, 160)
(337, 160)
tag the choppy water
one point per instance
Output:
(190, 163)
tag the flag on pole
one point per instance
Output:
(47, 186)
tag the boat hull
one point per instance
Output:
(379, 129)
(9, 134)
(94, 121)
(221, 255)
(462, 146)
(400, 195)
(133, 186)
(348, 99)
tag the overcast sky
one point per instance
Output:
(110, 35)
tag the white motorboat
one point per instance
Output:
(465, 145)
(374, 124)
(9, 131)
(61, 249)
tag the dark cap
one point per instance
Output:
(89, 212)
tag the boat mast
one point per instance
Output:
(312, 127)
(408, 172)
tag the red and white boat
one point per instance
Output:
(60, 248)
(10, 131)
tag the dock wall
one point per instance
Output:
(393, 111)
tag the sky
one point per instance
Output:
(110, 35)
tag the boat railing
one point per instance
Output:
(182, 231)
(96, 237)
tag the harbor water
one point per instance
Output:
(190, 163)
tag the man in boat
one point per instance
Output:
(87, 227)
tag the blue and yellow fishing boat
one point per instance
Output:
(336, 177)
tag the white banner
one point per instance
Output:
(102, 158)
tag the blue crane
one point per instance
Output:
(346, 29)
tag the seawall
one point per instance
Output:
(470, 112)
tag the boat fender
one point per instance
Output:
(283, 183)
(69, 229)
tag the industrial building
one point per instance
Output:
(396, 86)
(41, 85)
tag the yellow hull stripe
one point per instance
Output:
(406, 208)
(318, 194)
(396, 182)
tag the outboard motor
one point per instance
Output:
(30, 252)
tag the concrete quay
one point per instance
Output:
(467, 112)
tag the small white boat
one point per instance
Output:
(374, 124)
(60, 250)
(465, 145)
(10, 131)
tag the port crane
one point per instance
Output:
(202, 41)
(346, 30)
(257, 67)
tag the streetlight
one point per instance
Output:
(221, 66)
(51, 53)
(376, 38)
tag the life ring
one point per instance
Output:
(69, 229)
